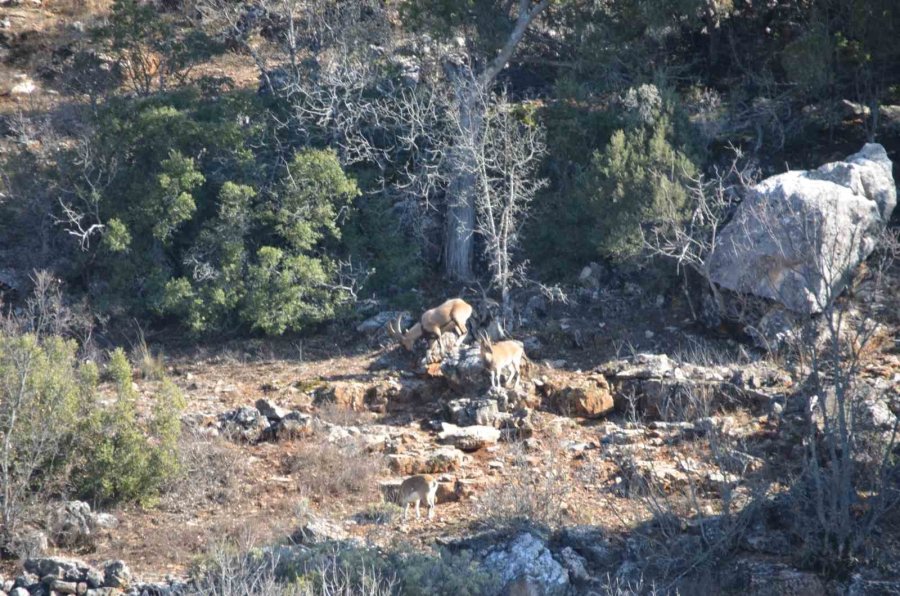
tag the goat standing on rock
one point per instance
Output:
(499, 356)
(449, 316)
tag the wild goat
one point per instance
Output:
(499, 356)
(416, 489)
(454, 312)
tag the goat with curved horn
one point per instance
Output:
(449, 316)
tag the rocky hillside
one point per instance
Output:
(710, 400)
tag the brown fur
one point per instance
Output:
(449, 316)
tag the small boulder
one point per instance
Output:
(467, 412)
(244, 423)
(271, 411)
(579, 396)
(346, 394)
(74, 525)
(464, 369)
(116, 574)
(468, 438)
(318, 531)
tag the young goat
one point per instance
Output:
(499, 356)
(449, 316)
(416, 489)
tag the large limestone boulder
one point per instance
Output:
(798, 236)
(526, 566)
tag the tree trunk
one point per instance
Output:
(460, 231)
(460, 223)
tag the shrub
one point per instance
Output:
(258, 259)
(42, 393)
(121, 459)
(640, 177)
(335, 470)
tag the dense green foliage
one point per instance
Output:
(228, 210)
(60, 434)
(123, 459)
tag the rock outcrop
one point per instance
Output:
(798, 236)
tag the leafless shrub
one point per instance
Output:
(528, 494)
(335, 413)
(238, 569)
(330, 470)
(211, 471)
(504, 160)
(689, 243)
(700, 502)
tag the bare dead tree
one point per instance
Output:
(80, 202)
(690, 241)
(504, 162)
(469, 84)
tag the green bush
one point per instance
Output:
(197, 226)
(121, 459)
(259, 260)
(43, 392)
(640, 177)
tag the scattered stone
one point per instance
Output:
(468, 412)
(468, 438)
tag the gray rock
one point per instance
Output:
(29, 543)
(116, 574)
(73, 524)
(574, 564)
(27, 579)
(798, 236)
(271, 411)
(19, 592)
(57, 567)
(64, 587)
(591, 543)
(244, 423)
(318, 531)
(466, 412)
(526, 560)
(468, 438)
(379, 322)
(465, 370)
(94, 578)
